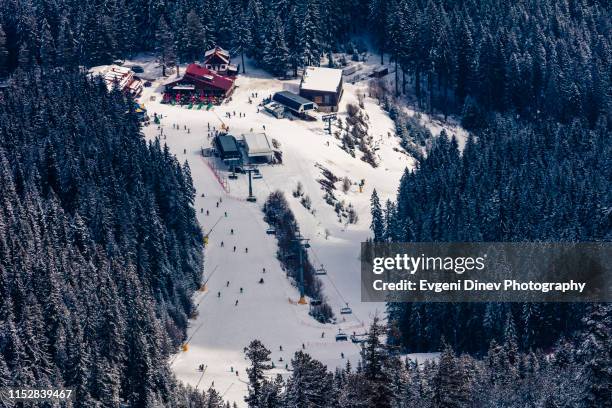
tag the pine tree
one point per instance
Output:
(259, 356)
(214, 399)
(378, 224)
(194, 40)
(450, 387)
(48, 55)
(3, 53)
(374, 356)
(241, 36)
(465, 68)
(272, 393)
(276, 54)
(595, 351)
(309, 37)
(166, 50)
(310, 384)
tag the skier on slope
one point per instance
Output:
(246, 250)
(261, 280)
(218, 294)
(227, 284)
(236, 302)
(241, 290)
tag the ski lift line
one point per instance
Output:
(201, 376)
(202, 299)
(329, 277)
(195, 331)
(211, 274)
(331, 280)
(214, 225)
(227, 389)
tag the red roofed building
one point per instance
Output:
(202, 82)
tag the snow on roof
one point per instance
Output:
(121, 75)
(257, 144)
(198, 72)
(217, 49)
(220, 52)
(321, 79)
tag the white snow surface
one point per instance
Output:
(218, 335)
(321, 79)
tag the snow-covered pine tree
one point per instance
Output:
(310, 384)
(450, 387)
(595, 353)
(259, 356)
(165, 45)
(241, 38)
(276, 54)
(194, 37)
(309, 33)
(378, 223)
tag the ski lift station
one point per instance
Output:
(228, 149)
(323, 86)
(258, 148)
(294, 103)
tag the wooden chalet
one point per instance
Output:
(199, 82)
(218, 59)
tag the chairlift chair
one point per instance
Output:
(321, 271)
(341, 336)
(346, 310)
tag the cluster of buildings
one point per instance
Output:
(320, 89)
(209, 82)
(214, 80)
(254, 148)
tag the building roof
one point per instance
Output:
(321, 79)
(121, 75)
(291, 100)
(199, 73)
(219, 52)
(227, 143)
(257, 144)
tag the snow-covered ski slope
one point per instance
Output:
(217, 337)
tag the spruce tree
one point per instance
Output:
(3, 53)
(378, 224)
(166, 50)
(276, 54)
(259, 356)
